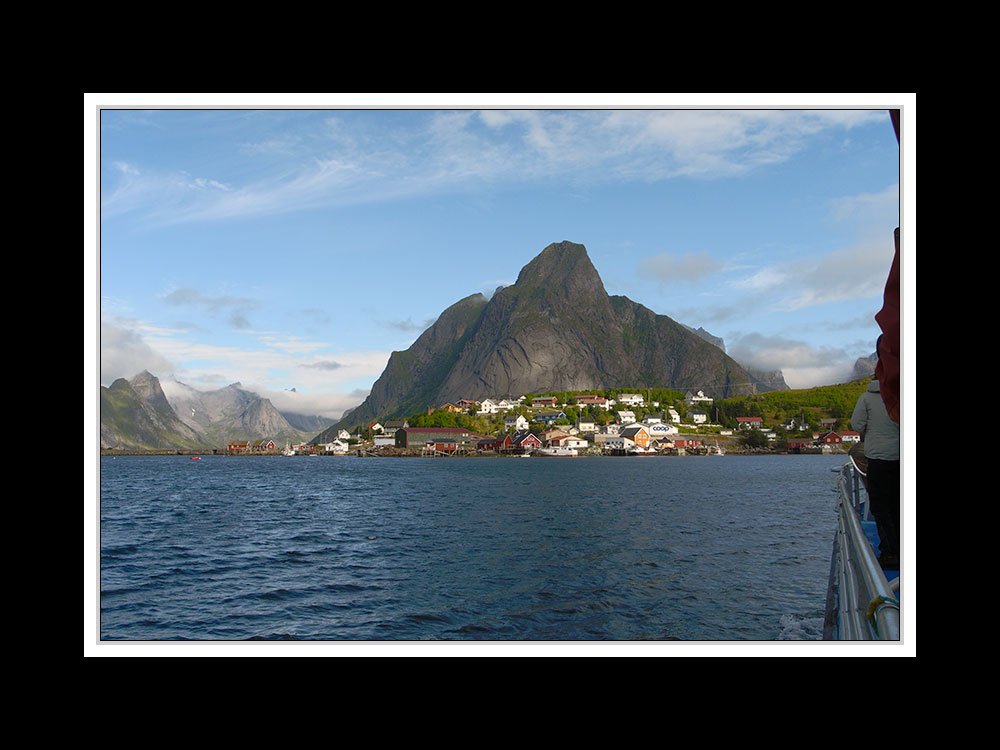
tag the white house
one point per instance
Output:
(652, 419)
(515, 421)
(691, 398)
(586, 425)
(343, 435)
(630, 399)
(626, 417)
(662, 430)
(674, 416)
(393, 425)
(698, 416)
(488, 406)
(568, 441)
(618, 442)
(506, 404)
(337, 446)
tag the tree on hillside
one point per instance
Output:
(754, 438)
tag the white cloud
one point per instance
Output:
(715, 143)
(124, 354)
(763, 280)
(677, 268)
(803, 365)
(234, 309)
(851, 273)
(345, 160)
(328, 381)
(126, 168)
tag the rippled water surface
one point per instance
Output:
(727, 548)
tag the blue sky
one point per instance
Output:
(295, 247)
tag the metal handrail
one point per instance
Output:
(869, 608)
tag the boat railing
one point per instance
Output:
(868, 603)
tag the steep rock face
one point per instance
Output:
(768, 380)
(136, 415)
(231, 413)
(556, 328)
(864, 367)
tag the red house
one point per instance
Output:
(830, 438)
(525, 441)
(550, 401)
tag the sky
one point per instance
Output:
(292, 243)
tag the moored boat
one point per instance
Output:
(557, 452)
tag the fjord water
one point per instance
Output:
(694, 548)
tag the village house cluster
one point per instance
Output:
(825, 436)
(543, 425)
(338, 447)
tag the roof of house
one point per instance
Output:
(446, 430)
(520, 437)
(631, 431)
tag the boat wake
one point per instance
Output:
(801, 628)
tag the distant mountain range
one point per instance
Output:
(137, 415)
(555, 329)
(766, 380)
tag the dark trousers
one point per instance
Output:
(883, 491)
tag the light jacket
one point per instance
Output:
(881, 434)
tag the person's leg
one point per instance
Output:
(883, 491)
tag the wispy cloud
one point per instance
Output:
(328, 365)
(408, 325)
(324, 384)
(679, 268)
(802, 364)
(369, 156)
(234, 308)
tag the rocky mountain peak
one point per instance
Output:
(556, 328)
(563, 269)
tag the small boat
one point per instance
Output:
(196, 458)
(558, 452)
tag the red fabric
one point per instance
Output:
(887, 369)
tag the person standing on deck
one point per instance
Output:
(881, 438)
